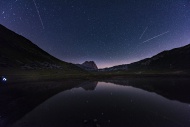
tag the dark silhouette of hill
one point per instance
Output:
(177, 59)
(20, 53)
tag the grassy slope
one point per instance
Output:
(172, 62)
(175, 59)
(20, 58)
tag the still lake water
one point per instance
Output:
(115, 103)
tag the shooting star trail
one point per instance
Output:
(156, 36)
(143, 32)
(38, 14)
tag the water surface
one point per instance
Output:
(117, 103)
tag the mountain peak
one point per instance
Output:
(90, 64)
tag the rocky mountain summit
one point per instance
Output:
(88, 65)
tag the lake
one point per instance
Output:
(118, 102)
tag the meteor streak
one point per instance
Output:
(143, 32)
(38, 14)
(155, 37)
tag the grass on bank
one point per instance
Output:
(18, 75)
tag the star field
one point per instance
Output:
(109, 32)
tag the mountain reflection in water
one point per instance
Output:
(115, 102)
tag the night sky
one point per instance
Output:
(109, 32)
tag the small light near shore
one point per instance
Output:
(3, 79)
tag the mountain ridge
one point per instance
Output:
(18, 52)
(177, 58)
